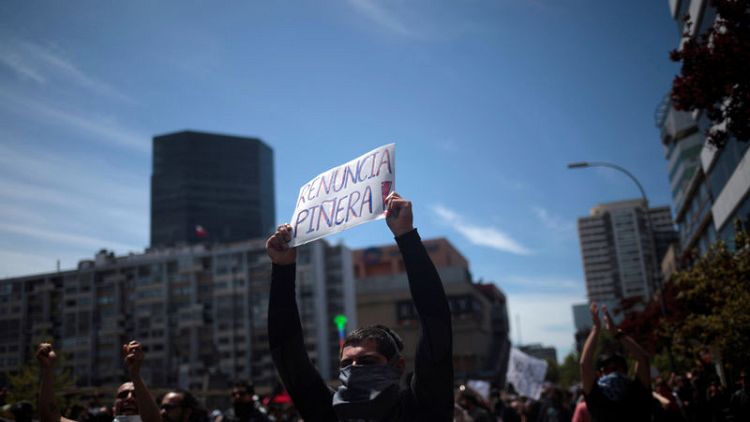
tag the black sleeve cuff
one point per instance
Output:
(408, 239)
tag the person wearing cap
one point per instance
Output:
(611, 396)
(371, 362)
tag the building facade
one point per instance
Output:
(481, 345)
(621, 255)
(200, 311)
(714, 190)
(210, 188)
(538, 351)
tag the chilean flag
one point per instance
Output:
(200, 231)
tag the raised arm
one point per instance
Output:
(433, 367)
(588, 374)
(147, 407)
(48, 410)
(306, 387)
(642, 365)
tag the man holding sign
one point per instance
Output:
(371, 364)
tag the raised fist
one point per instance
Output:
(277, 246)
(133, 353)
(45, 354)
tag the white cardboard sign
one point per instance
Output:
(344, 196)
(526, 373)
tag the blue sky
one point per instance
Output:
(486, 101)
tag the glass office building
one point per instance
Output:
(210, 188)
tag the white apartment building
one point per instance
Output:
(200, 311)
(620, 253)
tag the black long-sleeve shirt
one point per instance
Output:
(428, 393)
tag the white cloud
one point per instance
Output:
(42, 64)
(377, 13)
(60, 178)
(46, 195)
(65, 238)
(479, 235)
(553, 222)
(450, 146)
(97, 128)
(20, 66)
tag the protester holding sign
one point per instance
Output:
(371, 364)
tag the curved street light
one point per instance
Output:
(655, 272)
(584, 164)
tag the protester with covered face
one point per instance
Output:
(133, 401)
(611, 396)
(371, 364)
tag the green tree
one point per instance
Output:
(570, 372)
(24, 385)
(715, 293)
(553, 371)
(715, 74)
(707, 311)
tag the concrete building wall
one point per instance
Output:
(480, 319)
(200, 311)
(620, 252)
(716, 192)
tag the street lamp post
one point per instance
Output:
(655, 272)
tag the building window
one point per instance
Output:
(405, 311)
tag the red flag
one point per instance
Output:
(200, 231)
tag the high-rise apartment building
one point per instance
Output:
(620, 254)
(210, 188)
(710, 187)
(481, 345)
(199, 310)
(539, 351)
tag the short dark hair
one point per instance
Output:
(198, 414)
(246, 385)
(614, 359)
(387, 342)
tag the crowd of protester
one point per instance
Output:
(374, 385)
(693, 396)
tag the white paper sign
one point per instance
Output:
(344, 196)
(481, 387)
(526, 373)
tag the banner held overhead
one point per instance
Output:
(344, 196)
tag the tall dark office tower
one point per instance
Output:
(210, 188)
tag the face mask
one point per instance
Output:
(127, 418)
(367, 392)
(613, 385)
